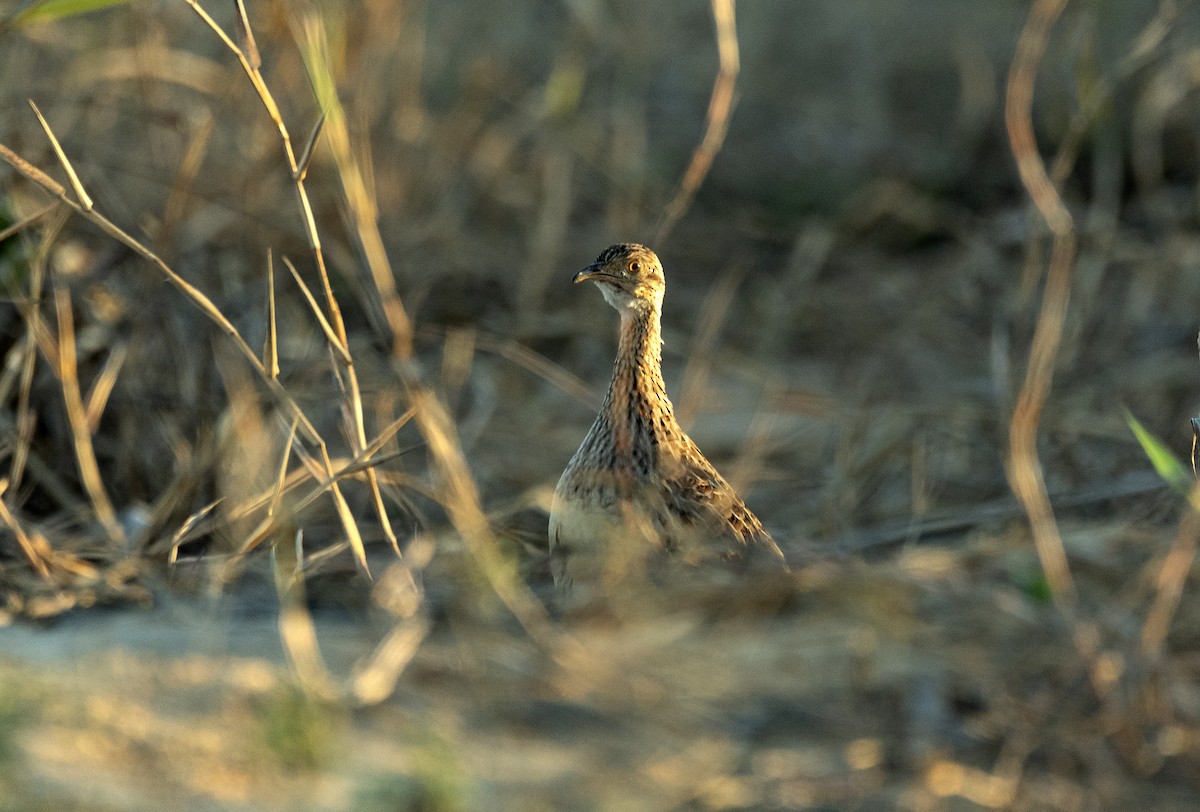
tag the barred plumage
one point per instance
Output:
(637, 477)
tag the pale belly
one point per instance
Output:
(600, 540)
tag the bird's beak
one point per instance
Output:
(587, 273)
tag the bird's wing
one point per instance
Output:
(697, 495)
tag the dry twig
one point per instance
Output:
(1024, 467)
(720, 106)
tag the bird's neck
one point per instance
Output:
(637, 395)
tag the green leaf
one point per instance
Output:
(1037, 588)
(1168, 466)
(48, 10)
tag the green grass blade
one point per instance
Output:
(1168, 466)
(57, 9)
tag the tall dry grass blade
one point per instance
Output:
(333, 120)
(281, 477)
(271, 521)
(183, 533)
(180, 193)
(19, 365)
(349, 523)
(335, 342)
(364, 460)
(399, 594)
(461, 501)
(332, 114)
(377, 502)
(1170, 580)
(102, 387)
(249, 46)
(26, 221)
(373, 679)
(268, 101)
(360, 202)
(81, 436)
(271, 350)
(76, 184)
(1024, 466)
(296, 628)
(307, 154)
(24, 351)
(720, 106)
(23, 541)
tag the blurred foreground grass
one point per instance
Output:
(852, 297)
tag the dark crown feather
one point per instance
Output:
(618, 250)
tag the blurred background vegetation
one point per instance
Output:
(852, 296)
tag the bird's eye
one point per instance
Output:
(635, 266)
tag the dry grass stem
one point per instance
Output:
(306, 155)
(184, 532)
(461, 499)
(374, 678)
(282, 475)
(64, 365)
(80, 194)
(271, 348)
(720, 107)
(355, 189)
(32, 554)
(363, 462)
(1170, 580)
(183, 184)
(1024, 467)
(27, 221)
(335, 342)
(23, 356)
(249, 46)
(102, 387)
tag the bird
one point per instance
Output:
(639, 486)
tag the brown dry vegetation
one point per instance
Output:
(226, 585)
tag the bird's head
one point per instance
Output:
(630, 277)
